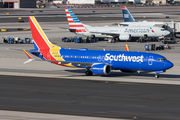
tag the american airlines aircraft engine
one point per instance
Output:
(124, 37)
(102, 69)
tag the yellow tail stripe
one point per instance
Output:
(40, 30)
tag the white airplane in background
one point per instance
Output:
(121, 32)
(130, 21)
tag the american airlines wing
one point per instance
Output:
(107, 33)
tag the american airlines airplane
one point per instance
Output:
(130, 21)
(121, 32)
(99, 62)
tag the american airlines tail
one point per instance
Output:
(75, 24)
(127, 15)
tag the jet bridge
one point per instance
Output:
(173, 27)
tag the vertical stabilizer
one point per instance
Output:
(75, 24)
(127, 15)
(38, 34)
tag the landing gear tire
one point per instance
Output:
(156, 75)
(88, 73)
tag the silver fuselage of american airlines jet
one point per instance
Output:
(131, 31)
(122, 32)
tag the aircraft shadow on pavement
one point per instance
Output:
(123, 74)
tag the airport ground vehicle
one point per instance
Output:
(78, 39)
(16, 40)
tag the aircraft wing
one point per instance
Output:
(23, 50)
(80, 64)
(106, 33)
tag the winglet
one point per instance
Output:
(30, 58)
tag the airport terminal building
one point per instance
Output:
(19, 3)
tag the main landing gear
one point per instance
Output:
(88, 73)
(157, 75)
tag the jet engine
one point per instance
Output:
(124, 37)
(101, 69)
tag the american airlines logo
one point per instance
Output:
(136, 30)
(126, 15)
(122, 57)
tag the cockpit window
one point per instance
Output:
(162, 59)
(162, 29)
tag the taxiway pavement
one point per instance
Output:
(54, 89)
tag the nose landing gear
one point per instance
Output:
(157, 75)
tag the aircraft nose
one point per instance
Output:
(169, 65)
(167, 32)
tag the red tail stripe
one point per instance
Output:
(69, 17)
(37, 37)
(76, 25)
(78, 30)
(70, 21)
(67, 13)
(123, 7)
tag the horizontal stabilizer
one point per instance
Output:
(30, 58)
(28, 61)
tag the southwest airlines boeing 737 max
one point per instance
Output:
(121, 32)
(94, 61)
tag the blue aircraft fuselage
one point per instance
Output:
(118, 59)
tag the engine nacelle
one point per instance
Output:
(101, 69)
(124, 37)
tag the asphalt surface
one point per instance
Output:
(85, 97)
(90, 98)
(91, 14)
